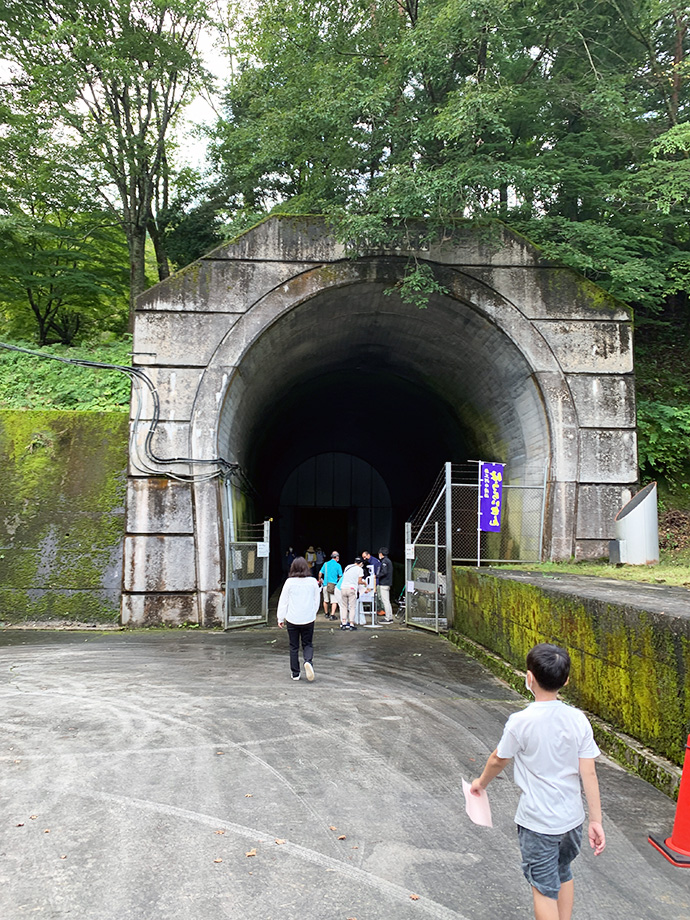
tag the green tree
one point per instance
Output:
(542, 114)
(62, 257)
(115, 75)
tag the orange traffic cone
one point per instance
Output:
(676, 848)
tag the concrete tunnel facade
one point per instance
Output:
(340, 403)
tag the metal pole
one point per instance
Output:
(408, 570)
(543, 513)
(436, 571)
(227, 486)
(479, 515)
(450, 593)
(264, 590)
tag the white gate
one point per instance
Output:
(246, 568)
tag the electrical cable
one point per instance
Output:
(140, 379)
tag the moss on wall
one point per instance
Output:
(61, 514)
(629, 667)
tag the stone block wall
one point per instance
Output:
(533, 361)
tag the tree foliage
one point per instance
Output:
(114, 75)
(555, 117)
(62, 271)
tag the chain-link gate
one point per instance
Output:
(427, 561)
(246, 569)
(445, 532)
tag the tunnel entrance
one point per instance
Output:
(367, 441)
(305, 372)
(352, 400)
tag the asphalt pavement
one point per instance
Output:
(181, 774)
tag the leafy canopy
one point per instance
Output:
(552, 116)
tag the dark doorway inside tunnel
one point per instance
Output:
(336, 501)
(344, 458)
(329, 528)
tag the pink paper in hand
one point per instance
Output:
(477, 806)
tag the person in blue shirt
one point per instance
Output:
(329, 575)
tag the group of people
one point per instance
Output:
(314, 558)
(551, 744)
(303, 590)
(367, 575)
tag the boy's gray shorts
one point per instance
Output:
(546, 858)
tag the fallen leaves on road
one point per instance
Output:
(251, 853)
(342, 837)
(414, 897)
(332, 827)
(219, 832)
(278, 840)
(249, 795)
(218, 860)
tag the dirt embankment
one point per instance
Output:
(674, 530)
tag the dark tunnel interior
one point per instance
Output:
(401, 429)
(343, 412)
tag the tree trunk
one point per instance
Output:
(162, 263)
(136, 242)
(503, 200)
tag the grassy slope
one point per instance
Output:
(28, 382)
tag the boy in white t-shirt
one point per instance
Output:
(553, 747)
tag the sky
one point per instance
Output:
(204, 108)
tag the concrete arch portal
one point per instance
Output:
(340, 403)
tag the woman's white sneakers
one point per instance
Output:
(309, 670)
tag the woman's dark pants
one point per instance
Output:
(305, 632)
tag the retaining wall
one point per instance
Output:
(629, 667)
(62, 499)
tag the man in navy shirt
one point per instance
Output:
(371, 564)
(385, 580)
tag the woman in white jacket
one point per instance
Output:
(297, 608)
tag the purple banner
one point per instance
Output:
(490, 495)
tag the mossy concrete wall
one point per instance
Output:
(61, 515)
(629, 667)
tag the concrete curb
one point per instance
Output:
(629, 753)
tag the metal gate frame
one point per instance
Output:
(246, 568)
(426, 599)
(433, 544)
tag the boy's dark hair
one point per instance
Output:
(550, 665)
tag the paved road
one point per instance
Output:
(139, 770)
